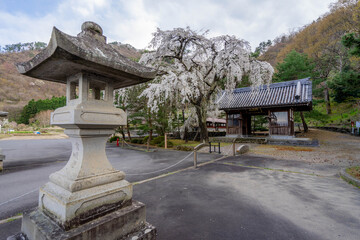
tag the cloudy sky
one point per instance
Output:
(133, 21)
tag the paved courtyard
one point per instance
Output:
(246, 197)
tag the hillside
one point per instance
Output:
(321, 42)
(321, 39)
(17, 90)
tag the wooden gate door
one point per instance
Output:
(233, 124)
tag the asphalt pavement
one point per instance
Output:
(242, 197)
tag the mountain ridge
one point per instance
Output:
(17, 90)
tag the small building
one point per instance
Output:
(276, 101)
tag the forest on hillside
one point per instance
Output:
(327, 50)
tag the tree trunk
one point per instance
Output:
(185, 129)
(197, 133)
(150, 125)
(303, 122)
(327, 99)
(201, 114)
(122, 132)
(127, 124)
(128, 130)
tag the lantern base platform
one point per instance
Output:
(123, 224)
(70, 209)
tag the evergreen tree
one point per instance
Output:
(353, 43)
(345, 85)
(33, 107)
(294, 66)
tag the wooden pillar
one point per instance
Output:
(241, 122)
(227, 125)
(245, 124)
(291, 122)
(269, 117)
(289, 127)
(248, 124)
(244, 127)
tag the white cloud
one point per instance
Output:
(134, 21)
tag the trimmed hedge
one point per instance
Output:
(137, 140)
(157, 140)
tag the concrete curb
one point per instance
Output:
(349, 178)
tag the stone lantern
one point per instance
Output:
(88, 198)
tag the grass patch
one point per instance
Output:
(342, 114)
(354, 171)
(178, 142)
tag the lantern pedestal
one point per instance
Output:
(128, 222)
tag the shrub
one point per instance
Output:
(145, 139)
(113, 138)
(157, 140)
(137, 140)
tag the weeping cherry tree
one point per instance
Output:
(193, 69)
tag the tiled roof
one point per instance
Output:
(273, 95)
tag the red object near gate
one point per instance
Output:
(117, 142)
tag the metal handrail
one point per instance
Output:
(214, 147)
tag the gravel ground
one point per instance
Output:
(336, 149)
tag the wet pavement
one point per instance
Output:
(245, 197)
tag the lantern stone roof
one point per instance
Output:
(295, 93)
(67, 55)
